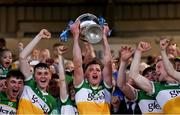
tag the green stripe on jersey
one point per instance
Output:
(7, 106)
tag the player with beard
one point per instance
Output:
(35, 99)
(8, 99)
(93, 84)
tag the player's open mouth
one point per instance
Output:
(7, 64)
(95, 77)
(15, 90)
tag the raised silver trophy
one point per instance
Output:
(90, 29)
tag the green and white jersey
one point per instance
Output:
(34, 101)
(147, 104)
(168, 97)
(91, 100)
(7, 107)
(3, 72)
(68, 107)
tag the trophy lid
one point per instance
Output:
(87, 17)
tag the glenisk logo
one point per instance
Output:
(36, 100)
(94, 97)
(153, 106)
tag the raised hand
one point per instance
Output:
(62, 50)
(143, 46)
(105, 31)
(126, 52)
(164, 43)
(44, 34)
(75, 29)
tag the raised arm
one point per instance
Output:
(24, 65)
(107, 70)
(140, 80)
(63, 85)
(168, 65)
(125, 53)
(77, 55)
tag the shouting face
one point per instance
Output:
(6, 59)
(93, 74)
(14, 87)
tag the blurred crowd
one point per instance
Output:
(40, 82)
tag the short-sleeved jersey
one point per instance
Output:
(148, 104)
(68, 107)
(93, 101)
(168, 97)
(34, 101)
(7, 107)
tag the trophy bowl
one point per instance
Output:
(90, 30)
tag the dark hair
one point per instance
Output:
(93, 61)
(2, 43)
(70, 86)
(147, 70)
(49, 61)
(4, 50)
(41, 65)
(57, 45)
(54, 76)
(16, 73)
(177, 59)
